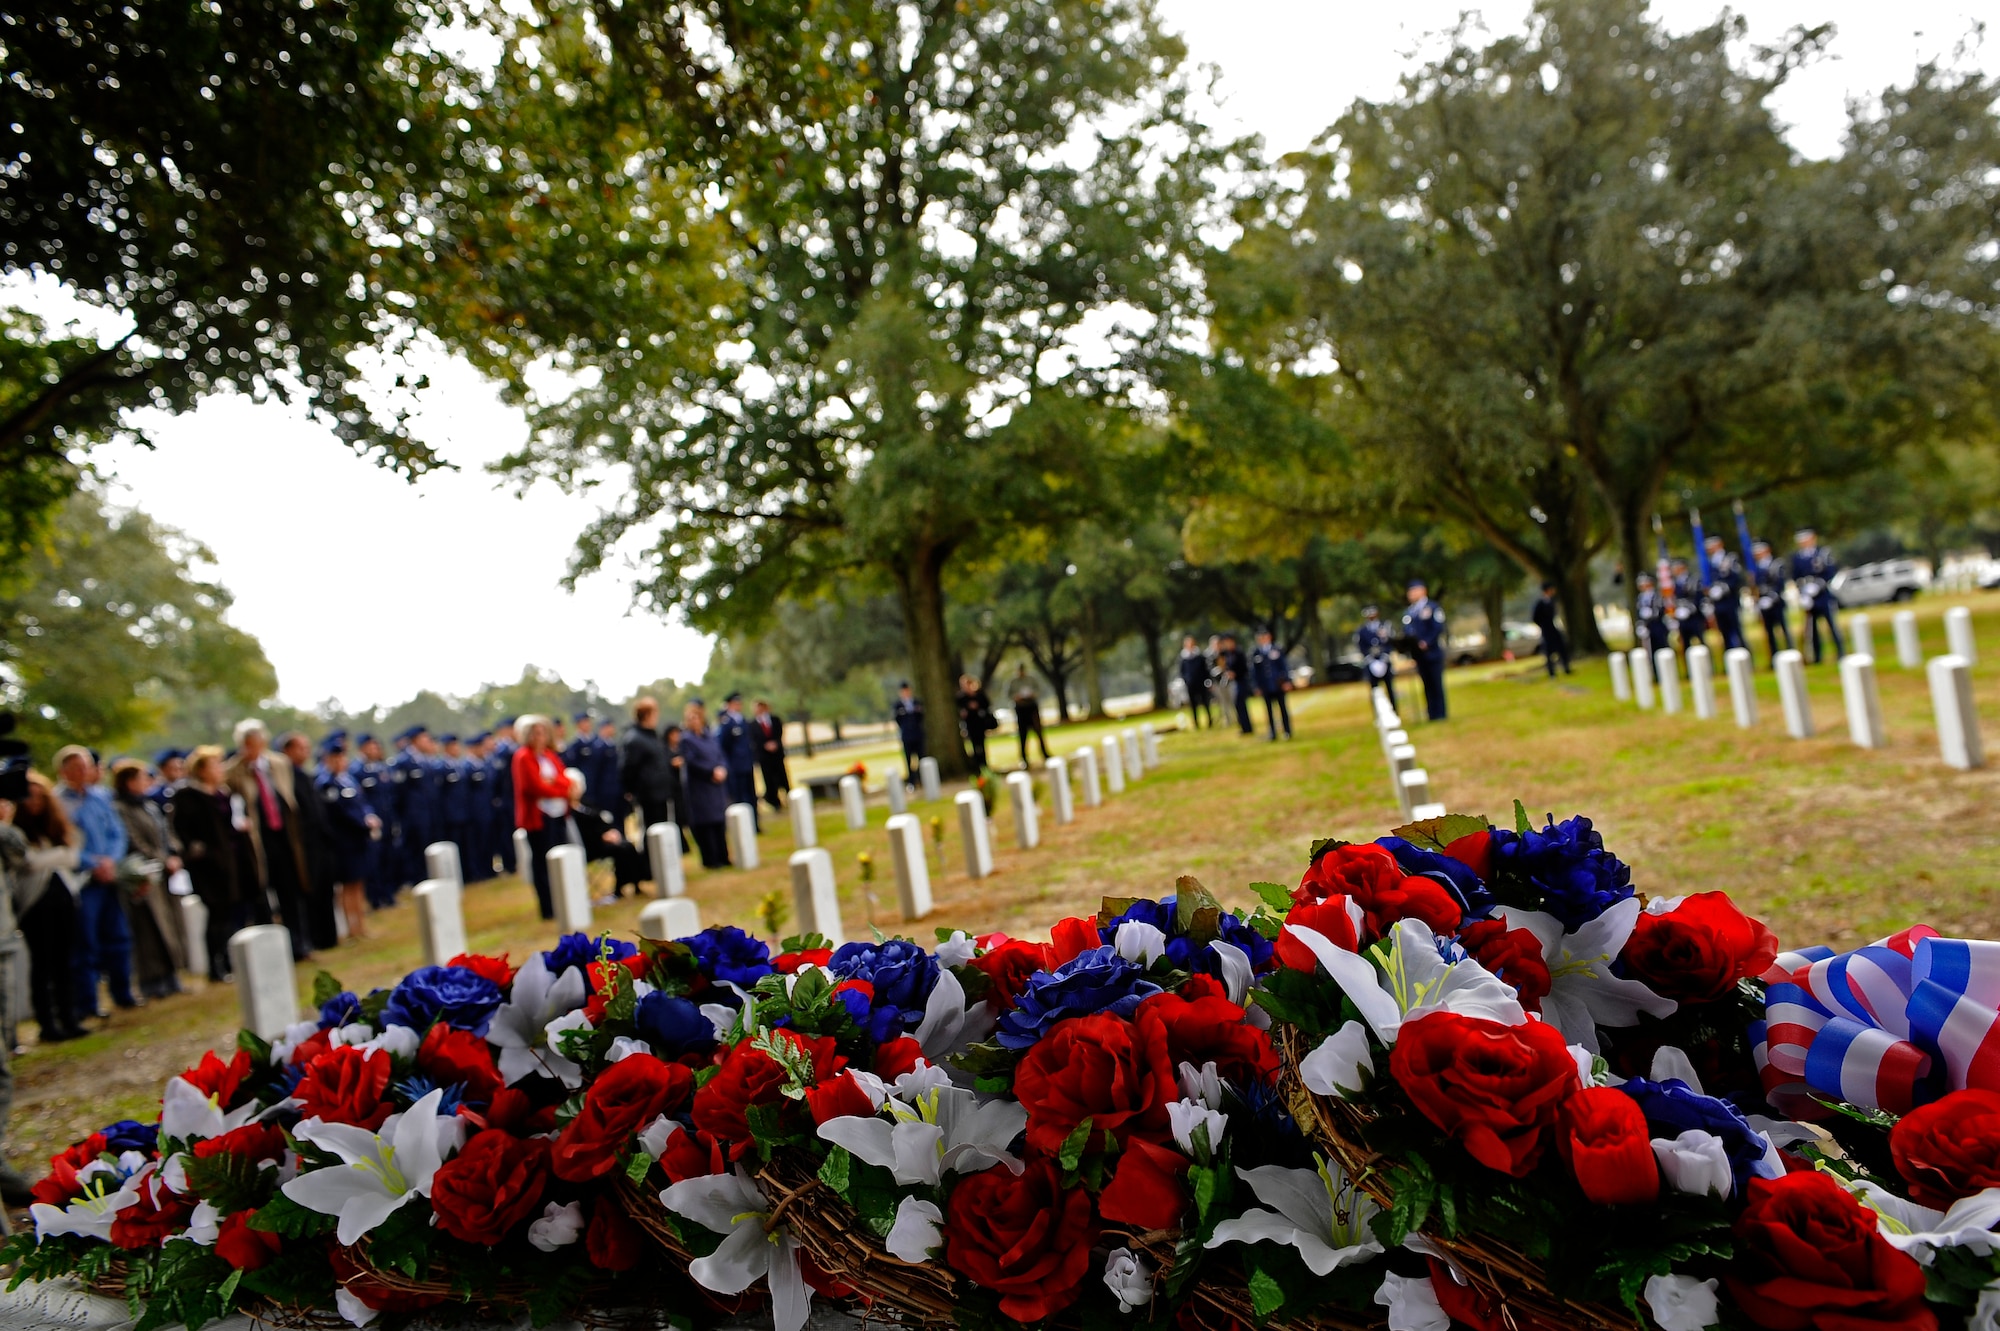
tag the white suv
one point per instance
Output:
(1872, 584)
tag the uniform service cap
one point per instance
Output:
(447, 738)
(1415, 583)
(332, 744)
(732, 696)
(165, 756)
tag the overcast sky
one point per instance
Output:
(365, 588)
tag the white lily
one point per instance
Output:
(1409, 979)
(949, 1025)
(918, 1231)
(956, 950)
(1197, 1129)
(1986, 1313)
(1140, 943)
(187, 1112)
(204, 1225)
(733, 1206)
(107, 1190)
(1342, 1065)
(1319, 1212)
(623, 1047)
(942, 1130)
(1583, 993)
(1682, 1303)
(1201, 1084)
(1413, 1304)
(349, 1305)
(1128, 1278)
(1921, 1231)
(397, 1041)
(379, 1172)
(520, 1027)
(1237, 972)
(1695, 1163)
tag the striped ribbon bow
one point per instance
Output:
(1888, 1026)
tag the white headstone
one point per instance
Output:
(1642, 677)
(805, 823)
(898, 792)
(194, 930)
(1701, 681)
(1909, 647)
(1149, 744)
(1792, 693)
(814, 898)
(1668, 667)
(1957, 718)
(1392, 738)
(927, 777)
(441, 861)
(739, 822)
(670, 918)
(1416, 785)
(569, 884)
(1864, 705)
(1021, 798)
(1402, 758)
(1742, 671)
(1425, 812)
(1059, 799)
(853, 803)
(266, 985)
(910, 865)
(1621, 677)
(1860, 635)
(524, 856)
(1086, 769)
(663, 848)
(972, 831)
(440, 920)
(1958, 634)
(1135, 762)
(1114, 765)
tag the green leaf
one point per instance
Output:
(285, 1217)
(1275, 895)
(834, 1171)
(231, 1181)
(1074, 1146)
(228, 1288)
(1201, 1180)
(1521, 823)
(1436, 833)
(325, 988)
(1191, 901)
(1325, 843)
(636, 1168)
(1266, 1294)
(259, 1049)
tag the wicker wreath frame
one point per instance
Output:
(1515, 1282)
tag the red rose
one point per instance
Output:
(310, 1048)
(1466, 1305)
(599, 976)
(491, 1186)
(495, 969)
(790, 963)
(347, 1085)
(1602, 1134)
(61, 1183)
(147, 1222)
(257, 1141)
(1812, 1257)
(1949, 1149)
(1696, 952)
(1212, 1030)
(1009, 965)
(897, 1057)
(450, 1056)
(624, 1099)
(1026, 1238)
(1347, 870)
(1515, 955)
(1146, 1190)
(749, 1076)
(1114, 1072)
(1493, 1088)
(242, 1247)
(612, 1240)
(1413, 898)
(839, 1097)
(692, 1155)
(1074, 936)
(214, 1077)
(1475, 852)
(514, 1111)
(1329, 917)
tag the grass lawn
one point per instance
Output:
(1826, 842)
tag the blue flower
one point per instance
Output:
(902, 975)
(1182, 954)
(1264, 1131)
(673, 1026)
(727, 953)
(448, 993)
(343, 1009)
(1452, 875)
(1098, 980)
(1673, 1107)
(131, 1135)
(581, 949)
(1566, 863)
(416, 1086)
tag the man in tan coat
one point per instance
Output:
(263, 778)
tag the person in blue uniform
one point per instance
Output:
(1690, 607)
(1725, 593)
(171, 767)
(353, 830)
(455, 798)
(1194, 671)
(1813, 569)
(416, 774)
(609, 784)
(378, 789)
(476, 861)
(1554, 644)
(909, 716)
(707, 775)
(1424, 642)
(1273, 680)
(1373, 642)
(1767, 573)
(500, 789)
(1651, 608)
(739, 754)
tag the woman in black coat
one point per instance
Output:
(212, 852)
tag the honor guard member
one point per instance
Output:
(1725, 593)
(1273, 680)
(416, 776)
(739, 754)
(1553, 642)
(171, 764)
(1651, 608)
(455, 800)
(606, 781)
(1424, 641)
(1767, 573)
(500, 789)
(1373, 642)
(378, 788)
(909, 717)
(1194, 671)
(1813, 569)
(476, 860)
(581, 753)
(1690, 607)
(352, 826)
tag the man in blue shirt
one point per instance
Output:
(103, 937)
(739, 753)
(1424, 641)
(1268, 673)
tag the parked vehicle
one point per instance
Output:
(1888, 580)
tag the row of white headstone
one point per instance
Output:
(1410, 783)
(1635, 674)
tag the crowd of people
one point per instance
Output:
(1682, 604)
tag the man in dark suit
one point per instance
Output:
(767, 733)
(909, 714)
(315, 839)
(1553, 642)
(1234, 666)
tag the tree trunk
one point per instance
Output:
(1492, 603)
(1093, 676)
(806, 731)
(921, 583)
(1157, 665)
(1632, 549)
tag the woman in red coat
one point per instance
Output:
(541, 802)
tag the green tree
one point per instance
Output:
(109, 632)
